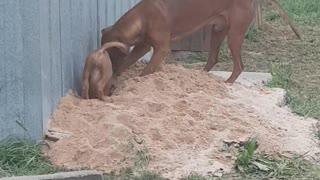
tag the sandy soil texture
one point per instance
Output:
(182, 116)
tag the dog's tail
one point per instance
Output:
(119, 45)
(285, 16)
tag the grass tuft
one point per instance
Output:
(316, 131)
(245, 156)
(23, 157)
(264, 166)
(197, 57)
(306, 105)
(194, 176)
(139, 171)
(272, 16)
(251, 165)
(252, 34)
(141, 156)
(129, 174)
(281, 76)
(303, 11)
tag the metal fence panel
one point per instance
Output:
(43, 45)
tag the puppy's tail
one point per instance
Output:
(285, 17)
(124, 48)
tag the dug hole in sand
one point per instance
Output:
(182, 116)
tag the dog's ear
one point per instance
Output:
(105, 30)
(105, 35)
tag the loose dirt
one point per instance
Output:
(182, 116)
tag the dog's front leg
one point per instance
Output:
(158, 56)
(138, 51)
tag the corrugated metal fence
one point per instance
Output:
(43, 45)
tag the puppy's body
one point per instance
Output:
(97, 78)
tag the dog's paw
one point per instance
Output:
(107, 99)
(228, 83)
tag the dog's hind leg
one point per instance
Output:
(240, 21)
(218, 34)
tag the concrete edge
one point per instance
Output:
(74, 175)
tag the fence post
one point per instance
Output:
(258, 13)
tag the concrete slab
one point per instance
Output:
(76, 175)
(247, 78)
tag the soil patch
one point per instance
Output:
(183, 116)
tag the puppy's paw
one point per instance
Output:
(85, 97)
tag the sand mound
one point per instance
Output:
(181, 115)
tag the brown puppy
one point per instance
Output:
(157, 23)
(97, 78)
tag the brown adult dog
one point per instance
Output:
(97, 78)
(157, 23)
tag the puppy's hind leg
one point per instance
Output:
(104, 85)
(85, 82)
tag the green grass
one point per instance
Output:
(316, 131)
(251, 165)
(129, 174)
(140, 169)
(23, 157)
(263, 166)
(252, 34)
(141, 160)
(305, 12)
(299, 71)
(300, 103)
(245, 156)
(194, 176)
(197, 57)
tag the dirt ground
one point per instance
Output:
(275, 44)
(177, 120)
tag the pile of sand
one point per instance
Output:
(182, 116)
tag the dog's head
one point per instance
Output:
(116, 54)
